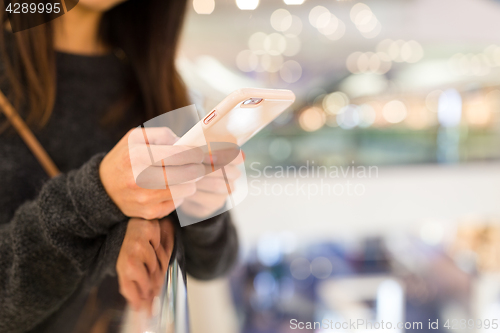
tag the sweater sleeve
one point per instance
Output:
(50, 243)
(211, 247)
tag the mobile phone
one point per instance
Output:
(239, 117)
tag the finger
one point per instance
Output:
(240, 159)
(149, 258)
(135, 136)
(137, 273)
(176, 155)
(130, 291)
(158, 280)
(162, 209)
(154, 178)
(197, 210)
(208, 199)
(151, 197)
(160, 135)
(163, 258)
(159, 276)
(153, 233)
(152, 135)
(167, 236)
(212, 184)
(232, 172)
(172, 192)
(223, 153)
(145, 149)
(181, 174)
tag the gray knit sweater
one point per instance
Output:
(60, 237)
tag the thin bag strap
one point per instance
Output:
(28, 137)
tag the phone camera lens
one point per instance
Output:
(252, 101)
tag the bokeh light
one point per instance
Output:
(312, 119)
(374, 32)
(270, 63)
(367, 115)
(477, 110)
(334, 102)
(352, 62)
(401, 51)
(327, 23)
(281, 20)
(348, 117)
(300, 268)
(357, 9)
(295, 27)
(369, 62)
(204, 6)
(321, 267)
(291, 71)
(339, 32)
(316, 13)
(247, 61)
(365, 20)
(470, 64)
(264, 284)
(247, 4)
(395, 111)
(256, 42)
(275, 44)
(293, 46)
(412, 52)
(383, 46)
(394, 50)
(450, 108)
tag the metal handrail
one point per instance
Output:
(174, 310)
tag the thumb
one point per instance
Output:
(152, 136)
(160, 135)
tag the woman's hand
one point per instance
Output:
(212, 191)
(117, 174)
(143, 260)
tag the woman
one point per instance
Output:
(82, 81)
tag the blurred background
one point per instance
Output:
(407, 91)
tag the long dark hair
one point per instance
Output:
(147, 31)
